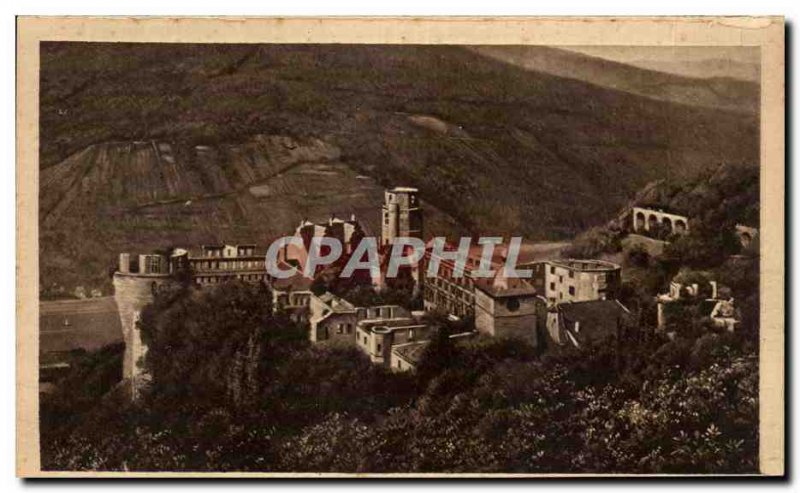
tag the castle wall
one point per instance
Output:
(132, 293)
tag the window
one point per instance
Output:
(365, 340)
(560, 279)
(339, 329)
(512, 304)
(571, 274)
(552, 270)
(572, 290)
(379, 348)
(552, 286)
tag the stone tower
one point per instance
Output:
(402, 215)
(135, 285)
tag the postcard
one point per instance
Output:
(400, 247)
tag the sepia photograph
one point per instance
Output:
(405, 258)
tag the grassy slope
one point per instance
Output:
(507, 150)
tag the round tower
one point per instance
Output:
(135, 285)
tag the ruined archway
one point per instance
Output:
(639, 222)
(666, 225)
(652, 222)
(680, 226)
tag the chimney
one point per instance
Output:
(352, 217)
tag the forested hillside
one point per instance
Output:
(142, 144)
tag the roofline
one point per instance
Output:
(602, 265)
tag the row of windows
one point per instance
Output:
(448, 292)
(227, 264)
(284, 300)
(463, 283)
(221, 279)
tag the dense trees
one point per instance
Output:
(497, 405)
(236, 387)
(518, 415)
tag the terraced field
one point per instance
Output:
(145, 195)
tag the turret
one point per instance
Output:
(402, 215)
(135, 286)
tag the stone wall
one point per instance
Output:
(507, 316)
(132, 293)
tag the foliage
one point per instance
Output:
(595, 242)
(90, 376)
(519, 416)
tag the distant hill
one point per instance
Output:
(706, 88)
(709, 68)
(143, 145)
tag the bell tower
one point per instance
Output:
(402, 214)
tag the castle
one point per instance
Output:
(137, 280)
(499, 305)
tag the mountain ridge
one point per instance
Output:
(725, 93)
(494, 149)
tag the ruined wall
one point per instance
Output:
(337, 328)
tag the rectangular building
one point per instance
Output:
(576, 280)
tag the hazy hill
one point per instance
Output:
(143, 145)
(711, 67)
(707, 90)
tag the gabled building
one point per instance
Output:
(332, 319)
(343, 230)
(292, 295)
